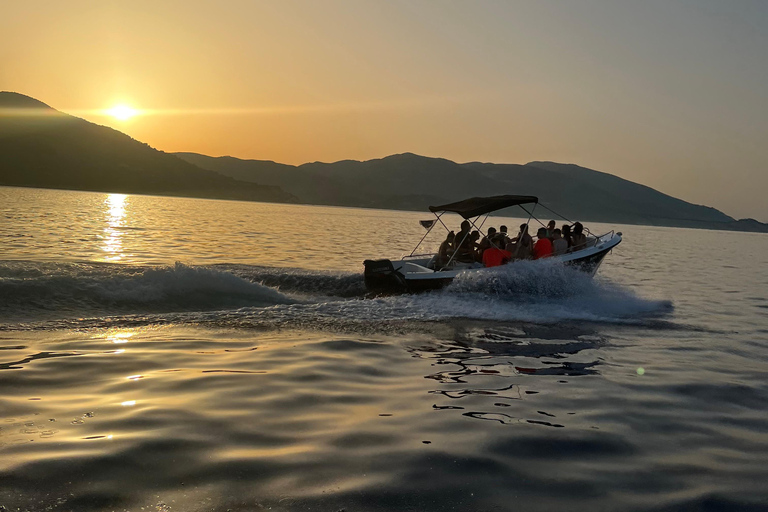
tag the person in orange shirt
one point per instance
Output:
(543, 247)
(493, 257)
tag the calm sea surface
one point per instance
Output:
(167, 354)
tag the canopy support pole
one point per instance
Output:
(425, 234)
(480, 229)
(566, 218)
(531, 216)
(441, 221)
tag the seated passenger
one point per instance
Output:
(567, 235)
(503, 234)
(486, 242)
(445, 251)
(559, 245)
(578, 237)
(499, 240)
(543, 247)
(475, 245)
(463, 246)
(494, 257)
(551, 229)
(522, 244)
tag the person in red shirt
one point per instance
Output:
(494, 257)
(543, 247)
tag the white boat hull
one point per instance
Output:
(411, 274)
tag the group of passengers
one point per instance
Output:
(497, 248)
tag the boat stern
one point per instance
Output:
(381, 276)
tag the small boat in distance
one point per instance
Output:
(420, 272)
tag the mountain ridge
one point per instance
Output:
(412, 182)
(42, 147)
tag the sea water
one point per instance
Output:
(174, 354)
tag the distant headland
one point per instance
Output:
(412, 182)
(42, 147)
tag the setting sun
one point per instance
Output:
(122, 112)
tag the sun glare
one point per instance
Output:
(122, 112)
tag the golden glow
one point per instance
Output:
(135, 377)
(122, 112)
(113, 243)
(128, 403)
(120, 337)
(408, 84)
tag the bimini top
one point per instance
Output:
(475, 206)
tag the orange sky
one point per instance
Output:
(667, 93)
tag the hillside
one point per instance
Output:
(42, 147)
(413, 182)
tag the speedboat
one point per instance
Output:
(420, 272)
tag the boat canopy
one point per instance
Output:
(475, 206)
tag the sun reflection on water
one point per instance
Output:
(120, 337)
(115, 216)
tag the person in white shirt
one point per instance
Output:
(559, 245)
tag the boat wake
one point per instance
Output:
(300, 281)
(545, 292)
(27, 289)
(241, 296)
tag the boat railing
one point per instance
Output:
(417, 256)
(593, 241)
(603, 237)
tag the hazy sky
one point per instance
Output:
(670, 93)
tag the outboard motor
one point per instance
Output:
(380, 275)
